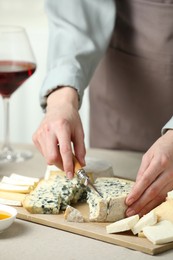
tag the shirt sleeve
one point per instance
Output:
(167, 126)
(79, 34)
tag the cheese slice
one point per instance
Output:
(11, 202)
(13, 181)
(26, 179)
(165, 211)
(160, 233)
(147, 220)
(14, 188)
(73, 215)
(12, 196)
(122, 225)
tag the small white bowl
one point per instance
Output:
(6, 223)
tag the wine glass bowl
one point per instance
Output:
(17, 64)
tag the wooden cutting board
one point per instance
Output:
(94, 230)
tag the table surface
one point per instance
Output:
(25, 240)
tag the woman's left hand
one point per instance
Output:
(154, 178)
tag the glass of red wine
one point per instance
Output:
(17, 64)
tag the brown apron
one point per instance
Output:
(131, 93)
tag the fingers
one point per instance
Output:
(63, 132)
(153, 196)
(147, 174)
(46, 142)
(79, 146)
(54, 140)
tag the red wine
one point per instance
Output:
(13, 74)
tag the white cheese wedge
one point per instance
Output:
(73, 215)
(12, 196)
(147, 220)
(160, 233)
(14, 188)
(27, 180)
(12, 181)
(122, 225)
(11, 202)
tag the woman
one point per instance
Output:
(123, 49)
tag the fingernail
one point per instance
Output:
(82, 161)
(69, 175)
(130, 212)
(129, 201)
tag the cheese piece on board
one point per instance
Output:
(12, 196)
(45, 199)
(147, 220)
(160, 233)
(26, 179)
(73, 215)
(11, 202)
(12, 181)
(165, 211)
(111, 206)
(14, 188)
(54, 194)
(122, 225)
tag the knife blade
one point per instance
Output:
(82, 175)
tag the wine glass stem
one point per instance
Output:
(6, 145)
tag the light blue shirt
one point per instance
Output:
(80, 32)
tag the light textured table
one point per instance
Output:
(29, 241)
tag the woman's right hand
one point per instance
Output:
(61, 128)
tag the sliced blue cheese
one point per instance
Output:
(51, 196)
(111, 207)
(45, 199)
(72, 214)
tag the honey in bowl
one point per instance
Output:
(4, 215)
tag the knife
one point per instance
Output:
(82, 175)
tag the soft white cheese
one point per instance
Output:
(160, 233)
(122, 225)
(147, 220)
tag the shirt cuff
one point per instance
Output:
(57, 78)
(167, 126)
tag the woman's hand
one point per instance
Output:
(154, 178)
(60, 128)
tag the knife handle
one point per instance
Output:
(77, 165)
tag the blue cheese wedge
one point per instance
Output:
(72, 214)
(51, 196)
(111, 207)
(45, 199)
